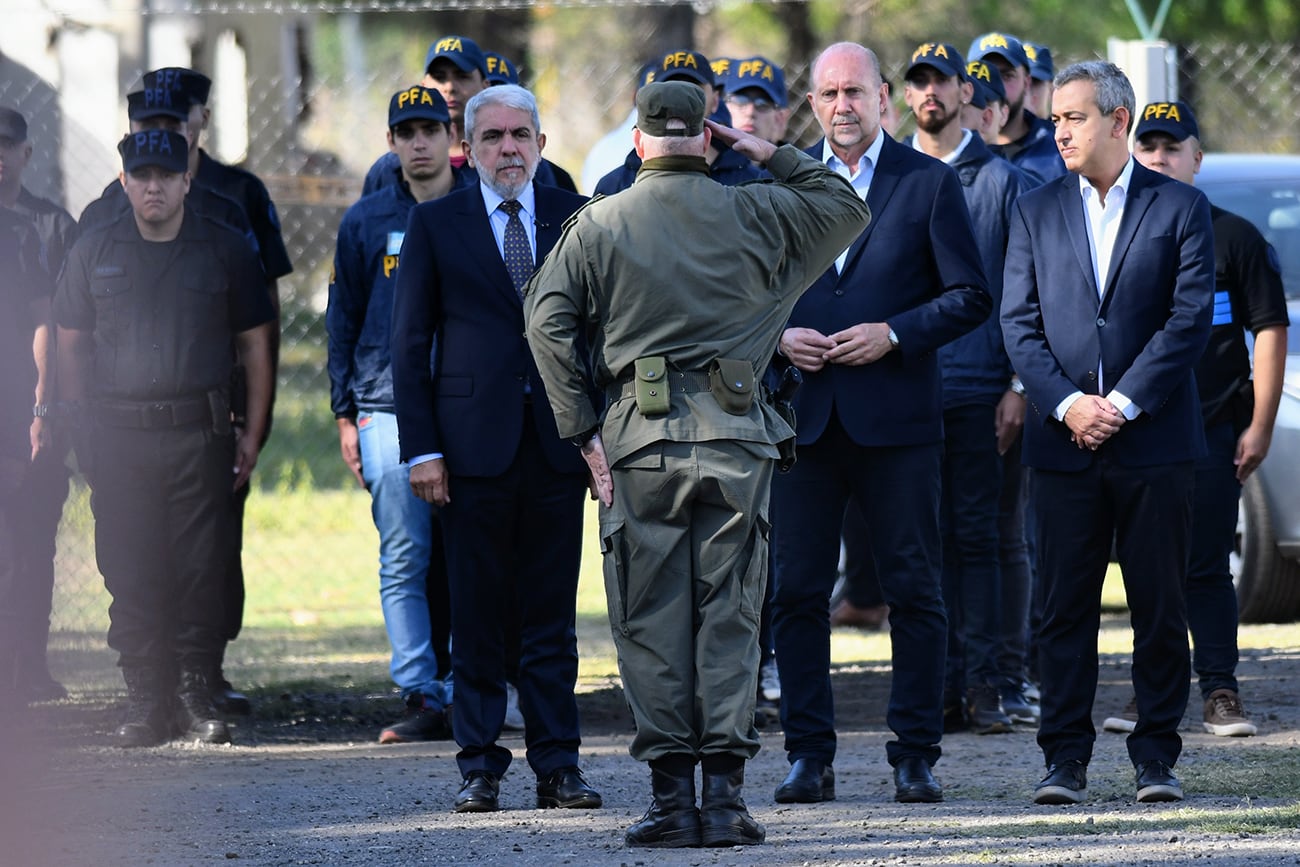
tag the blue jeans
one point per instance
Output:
(403, 521)
(1211, 598)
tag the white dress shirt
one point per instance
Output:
(859, 176)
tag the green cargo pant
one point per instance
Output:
(685, 563)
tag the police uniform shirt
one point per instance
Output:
(23, 280)
(54, 226)
(248, 191)
(163, 314)
(1248, 296)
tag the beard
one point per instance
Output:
(936, 122)
(502, 187)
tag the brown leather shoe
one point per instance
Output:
(845, 613)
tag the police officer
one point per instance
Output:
(149, 308)
(24, 329)
(45, 482)
(756, 97)
(977, 395)
(188, 88)
(724, 165)
(165, 110)
(359, 321)
(683, 475)
(1240, 391)
(1026, 139)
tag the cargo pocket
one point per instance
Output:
(754, 582)
(614, 566)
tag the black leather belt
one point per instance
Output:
(153, 415)
(679, 382)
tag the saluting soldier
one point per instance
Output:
(684, 512)
(152, 310)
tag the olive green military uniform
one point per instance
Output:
(683, 267)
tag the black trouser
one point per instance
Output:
(42, 494)
(163, 524)
(11, 471)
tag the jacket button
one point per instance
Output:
(839, 291)
(1092, 375)
(1101, 323)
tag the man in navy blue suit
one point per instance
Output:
(481, 441)
(1106, 309)
(871, 426)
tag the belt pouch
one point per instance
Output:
(652, 386)
(732, 382)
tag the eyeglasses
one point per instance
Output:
(761, 105)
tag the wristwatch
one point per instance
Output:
(1017, 386)
(893, 339)
(585, 437)
(42, 410)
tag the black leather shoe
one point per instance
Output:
(1065, 783)
(567, 787)
(810, 781)
(913, 782)
(479, 793)
(1156, 782)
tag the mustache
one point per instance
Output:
(512, 163)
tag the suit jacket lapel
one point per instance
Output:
(1137, 198)
(883, 181)
(550, 222)
(1076, 228)
(481, 244)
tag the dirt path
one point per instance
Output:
(326, 794)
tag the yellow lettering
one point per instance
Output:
(450, 44)
(980, 70)
(390, 265)
(680, 58)
(721, 66)
(993, 40)
(751, 68)
(940, 51)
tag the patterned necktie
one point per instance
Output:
(517, 253)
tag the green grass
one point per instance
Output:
(311, 566)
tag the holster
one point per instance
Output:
(219, 405)
(732, 382)
(783, 403)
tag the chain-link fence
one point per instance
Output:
(336, 115)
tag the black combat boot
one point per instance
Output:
(724, 818)
(195, 715)
(672, 822)
(146, 723)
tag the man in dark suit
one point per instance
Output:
(481, 440)
(870, 425)
(1106, 309)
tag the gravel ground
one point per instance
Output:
(312, 788)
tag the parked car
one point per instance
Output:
(1265, 189)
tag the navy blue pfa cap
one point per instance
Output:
(647, 73)
(460, 50)
(1174, 119)
(757, 72)
(986, 76)
(685, 66)
(417, 103)
(13, 125)
(1040, 61)
(144, 104)
(163, 148)
(1004, 45)
(938, 55)
(195, 86)
(500, 70)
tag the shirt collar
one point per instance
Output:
(1121, 183)
(867, 160)
(492, 200)
(953, 155)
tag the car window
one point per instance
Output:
(1273, 205)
